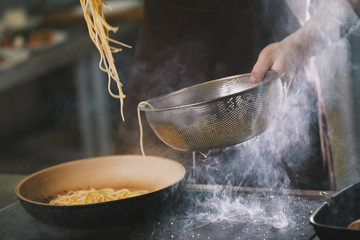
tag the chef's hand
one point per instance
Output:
(320, 31)
(283, 57)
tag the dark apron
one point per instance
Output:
(186, 42)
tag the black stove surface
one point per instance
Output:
(198, 214)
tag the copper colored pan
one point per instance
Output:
(161, 178)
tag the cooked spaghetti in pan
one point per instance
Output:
(91, 195)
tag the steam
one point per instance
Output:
(267, 160)
(253, 215)
(262, 158)
(239, 208)
(279, 158)
(332, 67)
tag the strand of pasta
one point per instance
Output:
(99, 31)
(142, 104)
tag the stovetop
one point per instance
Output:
(202, 212)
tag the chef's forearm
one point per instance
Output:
(331, 21)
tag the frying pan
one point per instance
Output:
(331, 219)
(160, 176)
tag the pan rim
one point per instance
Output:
(25, 199)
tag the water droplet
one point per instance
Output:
(205, 155)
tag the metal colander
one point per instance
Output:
(215, 114)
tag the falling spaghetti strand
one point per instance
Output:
(99, 31)
(142, 104)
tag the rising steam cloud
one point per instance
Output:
(279, 157)
(259, 162)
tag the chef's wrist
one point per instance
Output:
(298, 49)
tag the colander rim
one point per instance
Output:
(146, 108)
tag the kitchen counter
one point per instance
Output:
(197, 216)
(8, 183)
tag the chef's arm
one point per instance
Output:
(331, 21)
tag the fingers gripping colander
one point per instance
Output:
(217, 113)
